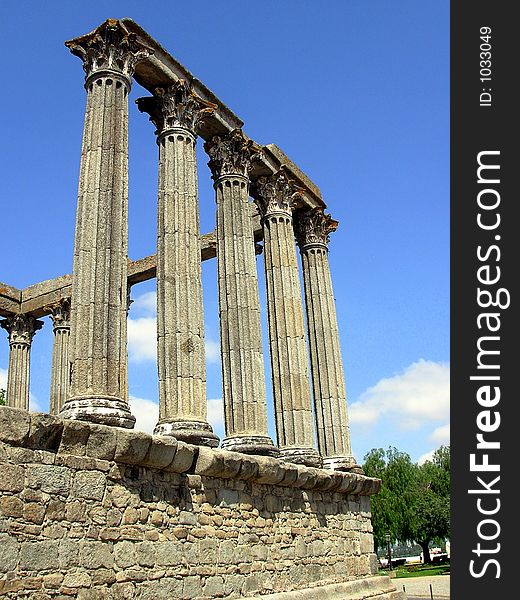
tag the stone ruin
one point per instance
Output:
(90, 508)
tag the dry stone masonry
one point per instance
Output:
(90, 508)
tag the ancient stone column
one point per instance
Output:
(243, 378)
(274, 196)
(98, 390)
(60, 371)
(21, 330)
(176, 112)
(312, 229)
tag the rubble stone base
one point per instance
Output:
(90, 511)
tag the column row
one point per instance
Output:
(90, 378)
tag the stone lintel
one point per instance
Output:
(91, 441)
(311, 192)
(160, 69)
(10, 300)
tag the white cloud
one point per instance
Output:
(216, 413)
(145, 304)
(34, 404)
(3, 379)
(142, 339)
(212, 351)
(142, 333)
(146, 413)
(418, 395)
(428, 456)
(441, 435)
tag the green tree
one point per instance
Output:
(390, 510)
(2, 397)
(430, 502)
(414, 502)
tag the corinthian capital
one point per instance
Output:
(232, 154)
(176, 106)
(314, 227)
(275, 193)
(109, 47)
(21, 328)
(60, 313)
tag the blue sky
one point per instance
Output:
(356, 93)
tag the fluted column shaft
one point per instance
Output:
(243, 378)
(21, 330)
(98, 390)
(291, 386)
(60, 370)
(325, 353)
(180, 313)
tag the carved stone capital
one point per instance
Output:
(60, 313)
(232, 154)
(110, 47)
(313, 228)
(21, 328)
(275, 194)
(176, 106)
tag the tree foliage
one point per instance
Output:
(414, 502)
(2, 397)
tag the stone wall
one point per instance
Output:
(90, 511)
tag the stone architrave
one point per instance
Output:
(98, 390)
(275, 196)
(60, 371)
(312, 231)
(176, 112)
(243, 379)
(21, 329)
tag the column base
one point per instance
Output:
(105, 410)
(198, 433)
(301, 456)
(250, 444)
(342, 463)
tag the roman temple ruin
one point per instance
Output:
(91, 508)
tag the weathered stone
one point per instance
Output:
(161, 452)
(14, 425)
(45, 432)
(50, 479)
(77, 580)
(34, 513)
(74, 438)
(39, 556)
(11, 478)
(124, 554)
(183, 459)
(89, 484)
(93, 555)
(68, 553)
(52, 580)
(11, 506)
(9, 548)
(145, 554)
(169, 554)
(214, 587)
(132, 446)
(102, 442)
(192, 587)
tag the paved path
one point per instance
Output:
(419, 587)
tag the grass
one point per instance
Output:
(402, 572)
